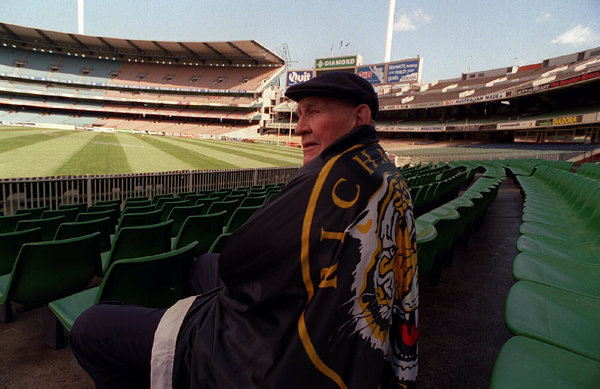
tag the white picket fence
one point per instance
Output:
(16, 193)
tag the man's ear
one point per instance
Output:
(363, 114)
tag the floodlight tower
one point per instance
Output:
(80, 16)
(390, 31)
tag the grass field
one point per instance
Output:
(38, 152)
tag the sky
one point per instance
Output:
(452, 36)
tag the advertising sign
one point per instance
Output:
(403, 71)
(336, 63)
(561, 121)
(375, 74)
(297, 76)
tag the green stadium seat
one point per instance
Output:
(81, 207)
(445, 222)
(10, 244)
(138, 241)
(70, 214)
(34, 213)
(9, 223)
(201, 228)
(183, 195)
(160, 198)
(573, 276)
(525, 363)
(252, 201)
(228, 206)
(48, 226)
(135, 208)
(181, 213)
(564, 319)
(193, 198)
(112, 213)
(239, 217)
(136, 201)
(70, 262)
(104, 207)
(219, 243)
(104, 203)
(139, 219)
(589, 169)
(426, 246)
(156, 281)
(169, 205)
(74, 229)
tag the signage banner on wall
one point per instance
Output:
(403, 71)
(375, 74)
(297, 76)
(336, 63)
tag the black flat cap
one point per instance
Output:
(342, 85)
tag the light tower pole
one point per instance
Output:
(390, 31)
(80, 16)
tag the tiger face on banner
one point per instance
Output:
(388, 266)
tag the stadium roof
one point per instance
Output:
(234, 52)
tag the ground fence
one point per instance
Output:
(33, 192)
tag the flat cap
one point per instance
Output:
(342, 85)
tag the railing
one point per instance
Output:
(16, 193)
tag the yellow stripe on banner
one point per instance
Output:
(305, 264)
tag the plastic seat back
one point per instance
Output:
(81, 207)
(9, 223)
(46, 271)
(34, 213)
(239, 217)
(252, 201)
(113, 214)
(181, 213)
(139, 241)
(201, 228)
(139, 219)
(136, 202)
(219, 243)
(156, 281)
(71, 230)
(10, 244)
(135, 208)
(228, 206)
(104, 207)
(158, 200)
(70, 214)
(48, 226)
(169, 205)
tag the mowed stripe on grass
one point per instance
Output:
(102, 154)
(247, 155)
(36, 155)
(30, 152)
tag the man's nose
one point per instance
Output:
(301, 126)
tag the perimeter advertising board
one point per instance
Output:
(294, 77)
(375, 74)
(404, 71)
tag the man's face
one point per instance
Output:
(321, 121)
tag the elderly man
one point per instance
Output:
(319, 287)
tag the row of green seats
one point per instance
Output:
(526, 167)
(554, 307)
(73, 263)
(452, 222)
(589, 169)
(427, 197)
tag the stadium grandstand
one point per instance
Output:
(552, 101)
(192, 89)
